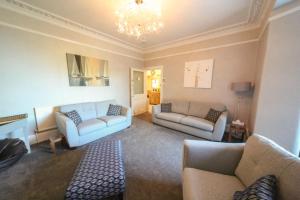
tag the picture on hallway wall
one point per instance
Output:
(87, 71)
(198, 74)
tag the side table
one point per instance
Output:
(53, 140)
(238, 132)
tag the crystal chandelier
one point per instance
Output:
(139, 17)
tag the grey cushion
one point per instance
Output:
(263, 157)
(166, 107)
(74, 116)
(114, 110)
(90, 125)
(173, 117)
(112, 120)
(179, 106)
(198, 123)
(205, 185)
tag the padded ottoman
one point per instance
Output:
(100, 173)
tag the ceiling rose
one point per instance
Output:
(140, 17)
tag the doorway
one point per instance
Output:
(145, 89)
(138, 91)
(154, 87)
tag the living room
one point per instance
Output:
(76, 75)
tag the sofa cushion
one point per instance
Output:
(173, 117)
(198, 123)
(114, 110)
(263, 188)
(200, 109)
(213, 115)
(74, 116)
(179, 106)
(166, 107)
(112, 120)
(205, 185)
(102, 107)
(90, 125)
(262, 157)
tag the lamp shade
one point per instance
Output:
(241, 86)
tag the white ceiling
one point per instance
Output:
(182, 18)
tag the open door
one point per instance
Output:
(138, 91)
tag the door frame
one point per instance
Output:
(131, 85)
(162, 79)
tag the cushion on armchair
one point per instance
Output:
(264, 188)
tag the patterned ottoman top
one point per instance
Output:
(100, 173)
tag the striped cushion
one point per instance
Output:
(263, 189)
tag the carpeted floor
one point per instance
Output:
(152, 157)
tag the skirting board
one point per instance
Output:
(41, 137)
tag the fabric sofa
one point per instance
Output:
(95, 124)
(214, 171)
(188, 117)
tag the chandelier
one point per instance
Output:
(139, 17)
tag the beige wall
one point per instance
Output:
(235, 63)
(260, 62)
(34, 73)
(278, 106)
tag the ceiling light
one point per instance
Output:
(140, 17)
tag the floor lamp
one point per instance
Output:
(240, 88)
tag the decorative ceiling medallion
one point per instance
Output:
(140, 17)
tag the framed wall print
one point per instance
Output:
(198, 74)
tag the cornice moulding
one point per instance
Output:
(203, 49)
(277, 14)
(68, 40)
(216, 35)
(46, 16)
(257, 12)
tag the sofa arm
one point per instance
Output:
(156, 109)
(68, 128)
(212, 156)
(220, 127)
(126, 111)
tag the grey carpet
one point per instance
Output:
(152, 157)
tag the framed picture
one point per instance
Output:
(87, 71)
(198, 74)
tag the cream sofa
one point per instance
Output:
(214, 171)
(95, 122)
(188, 117)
